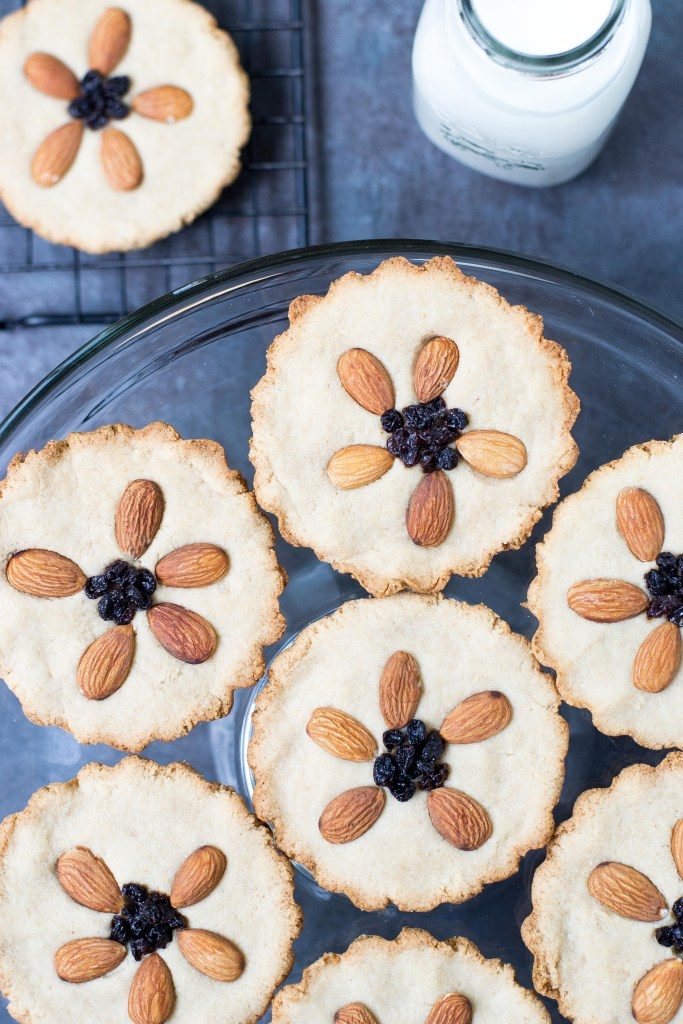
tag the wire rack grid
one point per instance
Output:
(266, 210)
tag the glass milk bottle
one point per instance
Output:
(526, 90)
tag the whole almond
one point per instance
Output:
(399, 689)
(139, 512)
(364, 377)
(451, 1009)
(431, 510)
(640, 522)
(120, 160)
(198, 876)
(51, 76)
(88, 881)
(627, 892)
(109, 40)
(104, 666)
(458, 818)
(184, 634)
(341, 735)
(354, 1013)
(492, 452)
(193, 565)
(477, 718)
(56, 153)
(677, 846)
(152, 996)
(358, 465)
(212, 954)
(165, 103)
(657, 659)
(435, 368)
(658, 995)
(87, 959)
(42, 573)
(603, 600)
(350, 815)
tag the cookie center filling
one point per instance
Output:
(424, 433)
(120, 591)
(101, 99)
(665, 584)
(146, 922)
(411, 760)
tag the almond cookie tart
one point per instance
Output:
(606, 928)
(157, 897)
(119, 124)
(388, 748)
(414, 979)
(436, 424)
(138, 584)
(609, 595)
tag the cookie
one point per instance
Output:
(410, 425)
(605, 928)
(138, 584)
(119, 124)
(388, 748)
(609, 595)
(414, 979)
(145, 892)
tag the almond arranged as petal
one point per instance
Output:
(658, 995)
(640, 523)
(431, 510)
(87, 959)
(354, 1013)
(657, 659)
(42, 573)
(341, 735)
(193, 565)
(184, 634)
(166, 103)
(105, 665)
(459, 818)
(451, 1009)
(198, 876)
(152, 996)
(51, 76)
(399, 689)
(139, 512)
(477, 718)
(435, 368)
(56, 153)
(366, 380)
(358, 465)
(677, 846)
(602, 600)
(212, 954)
(109, 40)
(627, 892)
(350, 815)
(492, 452)
(120, 160)
(88, 881)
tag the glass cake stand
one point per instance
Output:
(191, 358)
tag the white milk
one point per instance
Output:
(526, 90)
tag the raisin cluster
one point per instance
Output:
(122, 589)
(671, 936)
(411, 760)
(147, 920)
(665, 584)
(424, 433)
(100, 99)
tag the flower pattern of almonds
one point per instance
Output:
(453, 1008)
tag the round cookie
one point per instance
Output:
(609, 595)
(403, 499)
(148, 649)
(140, 153)
(607, 899)
(414, 979)
(440, 812)
(184, 852)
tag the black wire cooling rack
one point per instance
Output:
(266, 210)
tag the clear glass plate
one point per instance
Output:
(192, 357)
